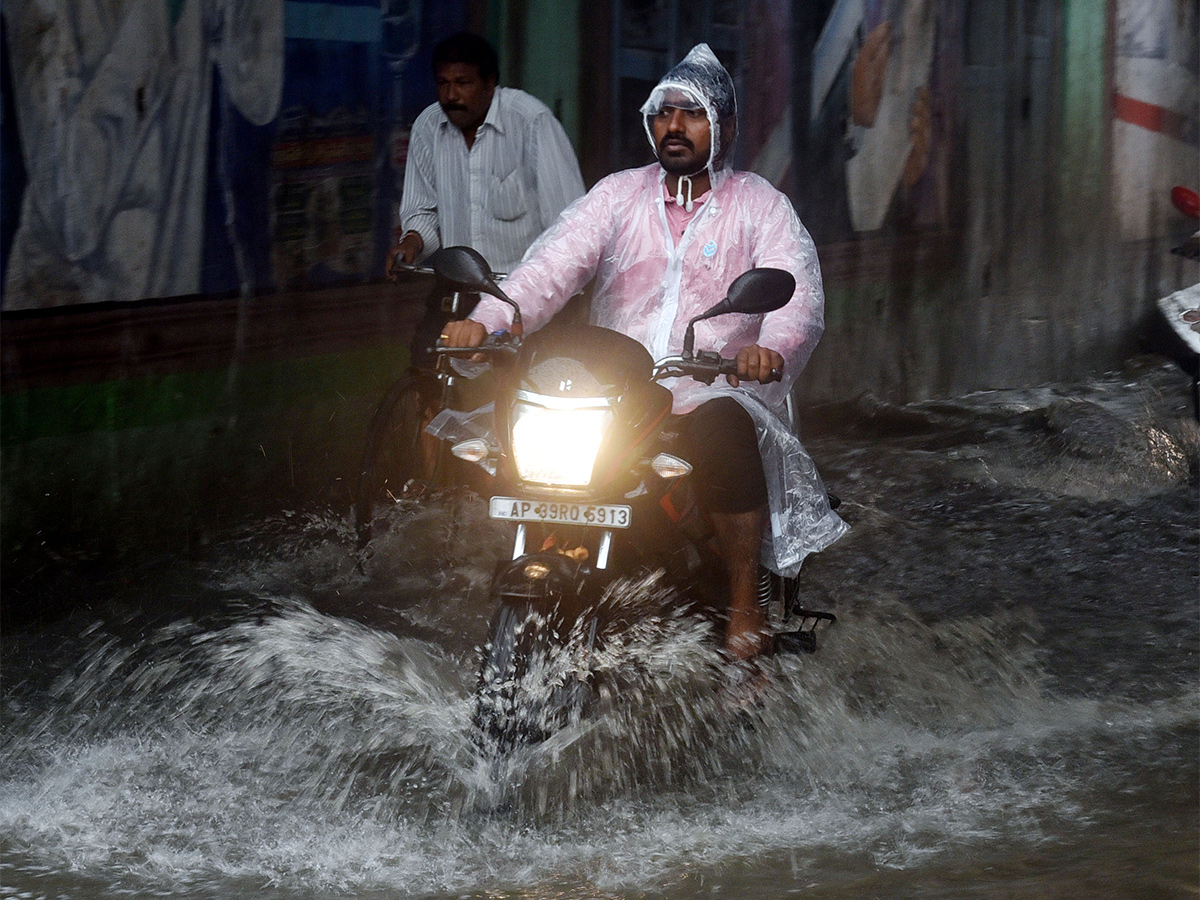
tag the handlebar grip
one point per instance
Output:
(705, 367)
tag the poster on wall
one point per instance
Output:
(1156, 109)
(323, 188)
(324, 179)
(881, 114)
(357, 75)
(114, 106)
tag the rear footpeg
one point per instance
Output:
(798, 633)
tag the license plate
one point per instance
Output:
(601, 515)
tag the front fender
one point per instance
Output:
(545, 578)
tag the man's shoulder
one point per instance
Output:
(518, 103)
(624, 187)
(752, 182)
(629, 179)
(758, 191)
(430, 117)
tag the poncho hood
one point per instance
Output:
(701, 77)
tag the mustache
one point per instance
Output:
(454, 107)
(674, 136)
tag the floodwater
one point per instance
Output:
(1006, 708)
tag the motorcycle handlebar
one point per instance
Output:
(704, 367)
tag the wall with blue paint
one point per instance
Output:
(307, 200)
(354, 77)
(1029, 246)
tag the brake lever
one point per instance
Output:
(399, 268)
(498, 343)
(704, 367)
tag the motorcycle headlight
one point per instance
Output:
(555, 440)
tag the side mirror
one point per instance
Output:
(752, 293)
(467, 270)
(463, 267)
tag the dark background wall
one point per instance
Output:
(1009, 259)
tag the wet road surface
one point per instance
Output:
(1007, 706)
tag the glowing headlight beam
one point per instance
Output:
(558, 446)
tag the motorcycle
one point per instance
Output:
(580, 447)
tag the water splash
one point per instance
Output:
(1001, 685)
(308, 751)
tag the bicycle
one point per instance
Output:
(400, 461)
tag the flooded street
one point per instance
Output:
(1007, 706)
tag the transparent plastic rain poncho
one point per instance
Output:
(648, 287)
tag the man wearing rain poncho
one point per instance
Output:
(664, 242)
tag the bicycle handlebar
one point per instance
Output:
(500, 343)
(406, 269)
(398, 268)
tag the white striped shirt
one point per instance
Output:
(498, 195)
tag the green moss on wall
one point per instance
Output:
(152, 462)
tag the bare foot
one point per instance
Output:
(746, 634)
(745, 687)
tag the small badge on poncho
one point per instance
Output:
(710, 249)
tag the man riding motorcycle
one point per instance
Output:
(663, 243)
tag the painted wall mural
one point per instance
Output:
(175, 147)
(170, 147)
(1156, 110)
(881, 117)
(113, 101)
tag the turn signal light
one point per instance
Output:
(473, 450)
(668, 466)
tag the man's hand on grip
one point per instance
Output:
(755, 363)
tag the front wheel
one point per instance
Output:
(398, 454)
(533, 680)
